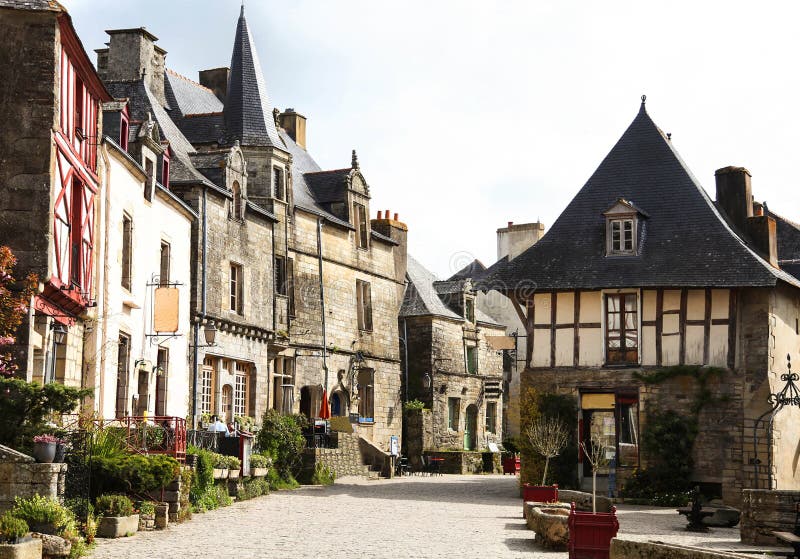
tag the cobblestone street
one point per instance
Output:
(419, 517)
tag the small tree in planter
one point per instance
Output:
(597, 456)
(548, 436)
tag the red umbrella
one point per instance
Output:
(324, 410)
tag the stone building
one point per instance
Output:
(301, 285)
(512, 241)
(643, 272)
(454, 366)
(50, 181)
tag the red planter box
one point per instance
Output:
(538, 493)
(590, 533)
(511, 466)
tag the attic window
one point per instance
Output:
(622, 240)
(622, 228)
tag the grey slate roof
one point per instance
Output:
(788, 234)
(684, 241)
(473, 270)
(248, 114)
(34, 5)
(421, 297)
(189, 97)
(328, 186)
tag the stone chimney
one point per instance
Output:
(517, 238)
(735, 195)
(735, 199)
(216, 80)
(391, 226)
(131, 55)
(295, 126)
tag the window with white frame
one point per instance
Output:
(207, 378)
(622, 236)
(283, 385)
(241, 389)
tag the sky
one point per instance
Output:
(469, 114)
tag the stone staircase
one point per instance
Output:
(353, 456)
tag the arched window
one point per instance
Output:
(237, 201)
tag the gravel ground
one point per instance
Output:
(419, 517)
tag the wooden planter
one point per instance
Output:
(28, 549)
(538, 494)
(117, 526)
(258, 472)
(511, 465)
(590, 533)
(220, 473)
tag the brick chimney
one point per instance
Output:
(295, 125)
(131, 54)
(517, 238)
(398, 232)
(216, 80)
(735, 199)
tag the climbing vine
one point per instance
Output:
(702, 375)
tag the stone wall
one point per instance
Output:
(765, 510)
(465, 462)
(344, 460)
(21, 476)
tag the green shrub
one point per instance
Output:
(203, 477)
(323, 475)
(281, 437)
(222, 496)
(246, 423)
(147, 507)
(41, 511)
(253, 488)
(220, 461)
(233, 463)
(12, 528)
(667, 441)
(133, 473)
(277, 482)
(414, 405)
(260, 461)
(26, 408)
(113, 505)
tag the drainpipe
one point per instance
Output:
(274, 287)
(102, 312)
(405, 349)
(195, 358)
(322, 303)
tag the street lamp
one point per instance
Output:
(210, 333)
(59, 336)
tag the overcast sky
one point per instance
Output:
(467, 115)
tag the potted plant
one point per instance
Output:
(510, 457)
(547, 436)
(234, 466)
(259, 465)
(14, 539)
(220, 466)
(44, 515)
(44, 448)
(117, 517)
(590, 533)
(147, 516)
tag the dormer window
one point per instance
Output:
(123, 131)
(165, 168)
(622, 228)
(361, 224)
(621, 236)
(236, 203)
(469, 310)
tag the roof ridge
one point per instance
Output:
(193, 115)
(329, 171)
(191, 81)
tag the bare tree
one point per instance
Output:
(597, 456)
(547, 436)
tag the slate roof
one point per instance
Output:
(328, 186)
(473, 270)
(189, 97)
(421, 297)
(788, 237)
(35, 5)
(248, 114)
(684, 241)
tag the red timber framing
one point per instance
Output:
(75, 181)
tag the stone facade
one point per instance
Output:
(765, 511)
(21, 477)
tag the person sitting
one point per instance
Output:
(217, 426)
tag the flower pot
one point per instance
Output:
(117, 526)
(590, 533)
(44, 453)
(220, 473)
(258, 472)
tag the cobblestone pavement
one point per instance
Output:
(419, 517)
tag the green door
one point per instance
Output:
(470, 427)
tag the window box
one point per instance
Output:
(220, 473)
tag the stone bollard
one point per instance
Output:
(162, 516)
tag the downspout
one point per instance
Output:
(274, 287)
(322, 303)
(102, 312)
(405, 359)
(195, 357)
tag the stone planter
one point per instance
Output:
(550, 524)
(538, 494)
(117, 526)
(54, 546)
(29, 549)
(220, 473)
(258, 472)
(147, 522)
(44, 453)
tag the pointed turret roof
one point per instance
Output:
(248, 114)
(683, 239)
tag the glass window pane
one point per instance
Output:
(630, 302)
(612, 303)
